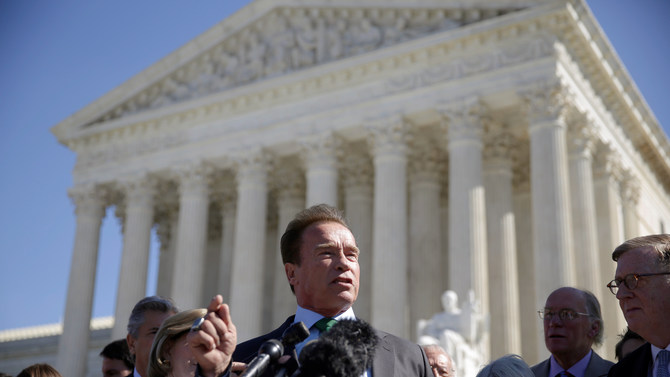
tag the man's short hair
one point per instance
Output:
(659, 242)
(151, 303)
(623, 338)
(593, 308)
(118, 350)
(292, 237)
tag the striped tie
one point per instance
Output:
(662, 364)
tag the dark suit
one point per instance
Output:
(635, 364)
(393, 356)
(597, 367)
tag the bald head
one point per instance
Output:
(439, 361)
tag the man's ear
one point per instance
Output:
(289, 268)
(131, 344)
(595, 328)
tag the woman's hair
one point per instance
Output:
(507, 366)
(39, 370)
(171, 329)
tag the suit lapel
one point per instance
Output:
(596, 366)
(384, 361)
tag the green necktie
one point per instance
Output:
(325, 324)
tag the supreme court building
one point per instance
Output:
(497, 146)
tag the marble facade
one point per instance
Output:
(493, 146)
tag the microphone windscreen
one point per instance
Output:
(344, 351)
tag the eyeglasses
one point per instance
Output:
(563, 314)
(630, 281)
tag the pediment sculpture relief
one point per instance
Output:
(289, 40)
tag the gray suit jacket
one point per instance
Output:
(598, 367)
(394, 356)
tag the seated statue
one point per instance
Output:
(458, 331)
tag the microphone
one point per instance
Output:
(344, 351)
(293, 335)
(269, 352)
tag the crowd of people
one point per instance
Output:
(320, 257)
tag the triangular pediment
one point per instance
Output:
(271, 38)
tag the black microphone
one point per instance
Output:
(269, 352)
(346, 350)
(293, 335)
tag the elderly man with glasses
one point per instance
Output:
(572, 324)
(642, 286)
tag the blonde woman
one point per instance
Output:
(171, 354)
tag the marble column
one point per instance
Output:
(630, 194)
(191, 237)
(609, 224)
(73, 343)
(531, 331)
(389, 240)
(468, 268)
(425, 279)
(290, 200)
(228, 213)
(135, 256)
(318, 154)
(580, 150)
(505, 324)
(357, 175)
(552, 241)
(246, 299)
(167, 234)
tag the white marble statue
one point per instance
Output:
(458, 331)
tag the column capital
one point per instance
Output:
(387, 135)
(288, 181)
(464, 119)
(194, 176)
(607, 163)
(255, 159)
(630, 188)
(581, 136)
(141, 187)
(319, 150)
(357, 169)
(500, 144)
(89, 198)
(544, 101)
(427, 160)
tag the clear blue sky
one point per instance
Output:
(59, 56)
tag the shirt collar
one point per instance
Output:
(576, 370)
(309, 317)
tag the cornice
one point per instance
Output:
(597, 60)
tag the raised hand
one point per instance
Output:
(213, 343)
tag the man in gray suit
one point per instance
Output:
(320, 258)
(572, 324)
